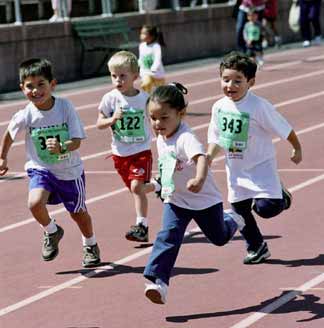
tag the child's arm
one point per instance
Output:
(104, 122)
(212, 151)
(195, 184)
(55, 147)
(6, 143)
(296, 156)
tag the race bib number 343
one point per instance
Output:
(233, 130)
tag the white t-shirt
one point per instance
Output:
(150, 60)
(185, 145)
(137, 121)
(60, 121)
(251, 164)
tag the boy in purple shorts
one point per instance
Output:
(53, 134)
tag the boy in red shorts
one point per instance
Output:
(123, 109)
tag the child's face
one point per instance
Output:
(165, 120)
(123, 79)
(253, 17)
(235, 84)
(39, 90)
(145, 36)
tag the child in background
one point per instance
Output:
(243, 123)
(269, 24)
(150, 58)
(253, 34)
(124, 111)
(188, 189)
(53, 135)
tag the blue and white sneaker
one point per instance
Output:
(258, 256)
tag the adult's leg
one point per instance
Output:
(305, 20)
(167, 244)
(240, 21)
(315, 17)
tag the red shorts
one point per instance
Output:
(134, 167)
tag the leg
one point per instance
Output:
(139, 190)
(250, 232)
(84, 222)
(218, 227)
(147, 83)
(304, 21)
(240, 21)
(267, 207)
(315, 18)
(167, 244)
(37, 200)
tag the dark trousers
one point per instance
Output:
(264, 207)
(310, 15)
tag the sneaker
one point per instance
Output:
(156, 292)
(286, 195)
(137, 233)
(254, 257)
(91, 256)
(306, 44)
(50, 244)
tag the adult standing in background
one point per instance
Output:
(310, 15)
(243, 9)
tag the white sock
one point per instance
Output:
(157, 186)
(51, 227)
(89, 241)
(142, 220)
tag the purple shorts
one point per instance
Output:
(69, 192)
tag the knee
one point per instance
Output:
(136, 187)
(35, 204)
(268, 208)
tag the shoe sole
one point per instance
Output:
(131, 238)
(47, 259)
(289, 196)
(154, 296)
(262, 258)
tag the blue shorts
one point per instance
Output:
(69, 192)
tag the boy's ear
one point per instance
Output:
(251, 82)
(53, 83)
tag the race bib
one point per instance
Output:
(130, 128)
(233, 130)
(148, 61)
(167, 164)
(39, 136)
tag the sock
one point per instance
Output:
(51, 227)
(89, 241)
(157, 186)
(141, 220)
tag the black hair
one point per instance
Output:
(35, 67)
(171, 94)
(155, 33)
(239, 62)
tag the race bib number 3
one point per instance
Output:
(130, 128)
(233, 130)
(167, 164)
(39, 137)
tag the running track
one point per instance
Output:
(210, 285)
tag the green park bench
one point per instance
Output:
(105, 35)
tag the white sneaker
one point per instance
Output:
(237, 218)
(157, 291)
(306, 44)
(55, 18)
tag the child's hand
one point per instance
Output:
(296, 156)
(3, 166)
(53, 145)
(118, 114)
(195, 185)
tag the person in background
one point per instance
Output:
(310, 15)
(58, 12)
(150, 58)
(241, 19)
(272, 37)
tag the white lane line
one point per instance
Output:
(72, 282)
(250, 320)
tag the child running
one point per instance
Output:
(150, 58)
(124, 111)
(188, 189)
(53, 133)
(243, 124)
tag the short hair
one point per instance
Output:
(172, 94)
(124, 59)
(239, 62)
(35, 67)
